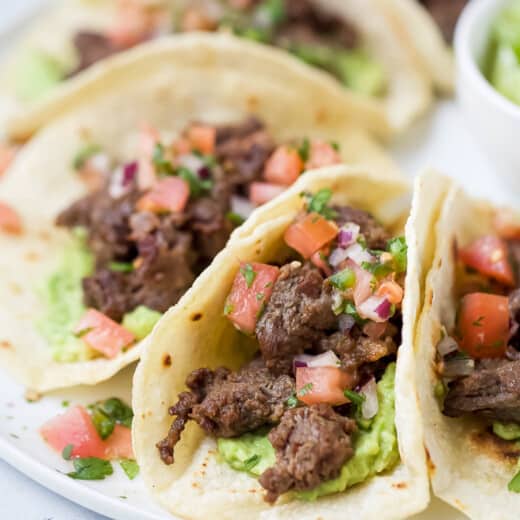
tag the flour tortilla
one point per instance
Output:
(214, 80)
(409, 90)
(195, 333)
(472, 476)
(419, 32)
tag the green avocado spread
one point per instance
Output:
(375, 447)
(62, 297)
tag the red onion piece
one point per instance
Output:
(348, 234)
(446, 346)
(375, 308)
(129, 173)
(370, 405)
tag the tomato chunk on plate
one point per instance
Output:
(251, 290)
(119, 444)
(489, 255)
(322, 385)
(167, 196)
(483, 325)
(310, 233)
(103, 334)
(74, 427)
(284, 166)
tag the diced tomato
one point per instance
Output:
(181, 146)
(148, 139)
(10, 221)
(119, 444)
(322, 154)
(322, 385)
(310, 233)
(318, 259)
(74, 427)
(507, 223)
(133, 23)
(483, 325)
(391, 290)
(196, 19)
(262, 192)
(103, 334)
(203, 138)
(168, 195)
(7, 154)
(284, 166)
(489, 255)
(251, 290)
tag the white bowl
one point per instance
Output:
(493, 119)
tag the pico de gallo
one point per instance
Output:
(148, 227)
(478, 363)
(93, 436)
(302, 27)
(301, 414)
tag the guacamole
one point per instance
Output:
(62, 299)
(375, 447)
(502, 61)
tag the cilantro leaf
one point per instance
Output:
(249, 274)
(130, 467)
(121, 267)
(84, 154)
(235, 218)
(378, 269)
(251, 462)
(292, 401)
(318, 203)
(162, 165)
(91, 468)
(197, 185)
(399, 250)
(305, 389)
(273, 11)
(67, 452)
(355, 397)
(106, 414)
(343, 279)
(304, 150)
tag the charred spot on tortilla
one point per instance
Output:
(5, 344)
(400, 485)
(196, 317)
(494, 447)
(32, 256)
(167, 360)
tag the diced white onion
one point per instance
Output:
(446, 346)
(370, 405)
(327, 359)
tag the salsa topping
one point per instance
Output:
(323, 343)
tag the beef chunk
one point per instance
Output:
(297, 315)
(375, 234)
(312, 443)
(91, 47)
(445, 13)
(491, 391)
(227, 404)
(514, 319)
(243, 150)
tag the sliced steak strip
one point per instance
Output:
(375, 234)
(491, 391)
(227, 404)
(297, 315)
(312, 443)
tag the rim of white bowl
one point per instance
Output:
(470, 17)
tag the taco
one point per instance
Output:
(428, 26)
(288, 366)
(468, 358)
(109, 214)
(352, 40)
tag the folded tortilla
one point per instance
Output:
(196, 333)
(408, 91)
(214, 80)
(467, 469)
(420, 33)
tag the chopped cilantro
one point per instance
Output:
(273, 11)
(84, 154)
(249, 274)
(514, 484)
(318, 203)
(235, 218)
(162, 165)
(362, 241)
(67, 452)
(228, 308)
(343, 279)
(106, 414)
(251, 462)
(399, 250)
(335, 145)
(91, 468)
(259, 296)
(478, 321)
(378, 269)
(304, 390)
(65, 404)
(197, 185)
(130, 467)
(304, 150)
(292, 401)
(354, 397)
(121, 267)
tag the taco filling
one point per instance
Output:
(302, 28)
(149, 227)
(313, 412)
(445, 13)
(478, 363)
